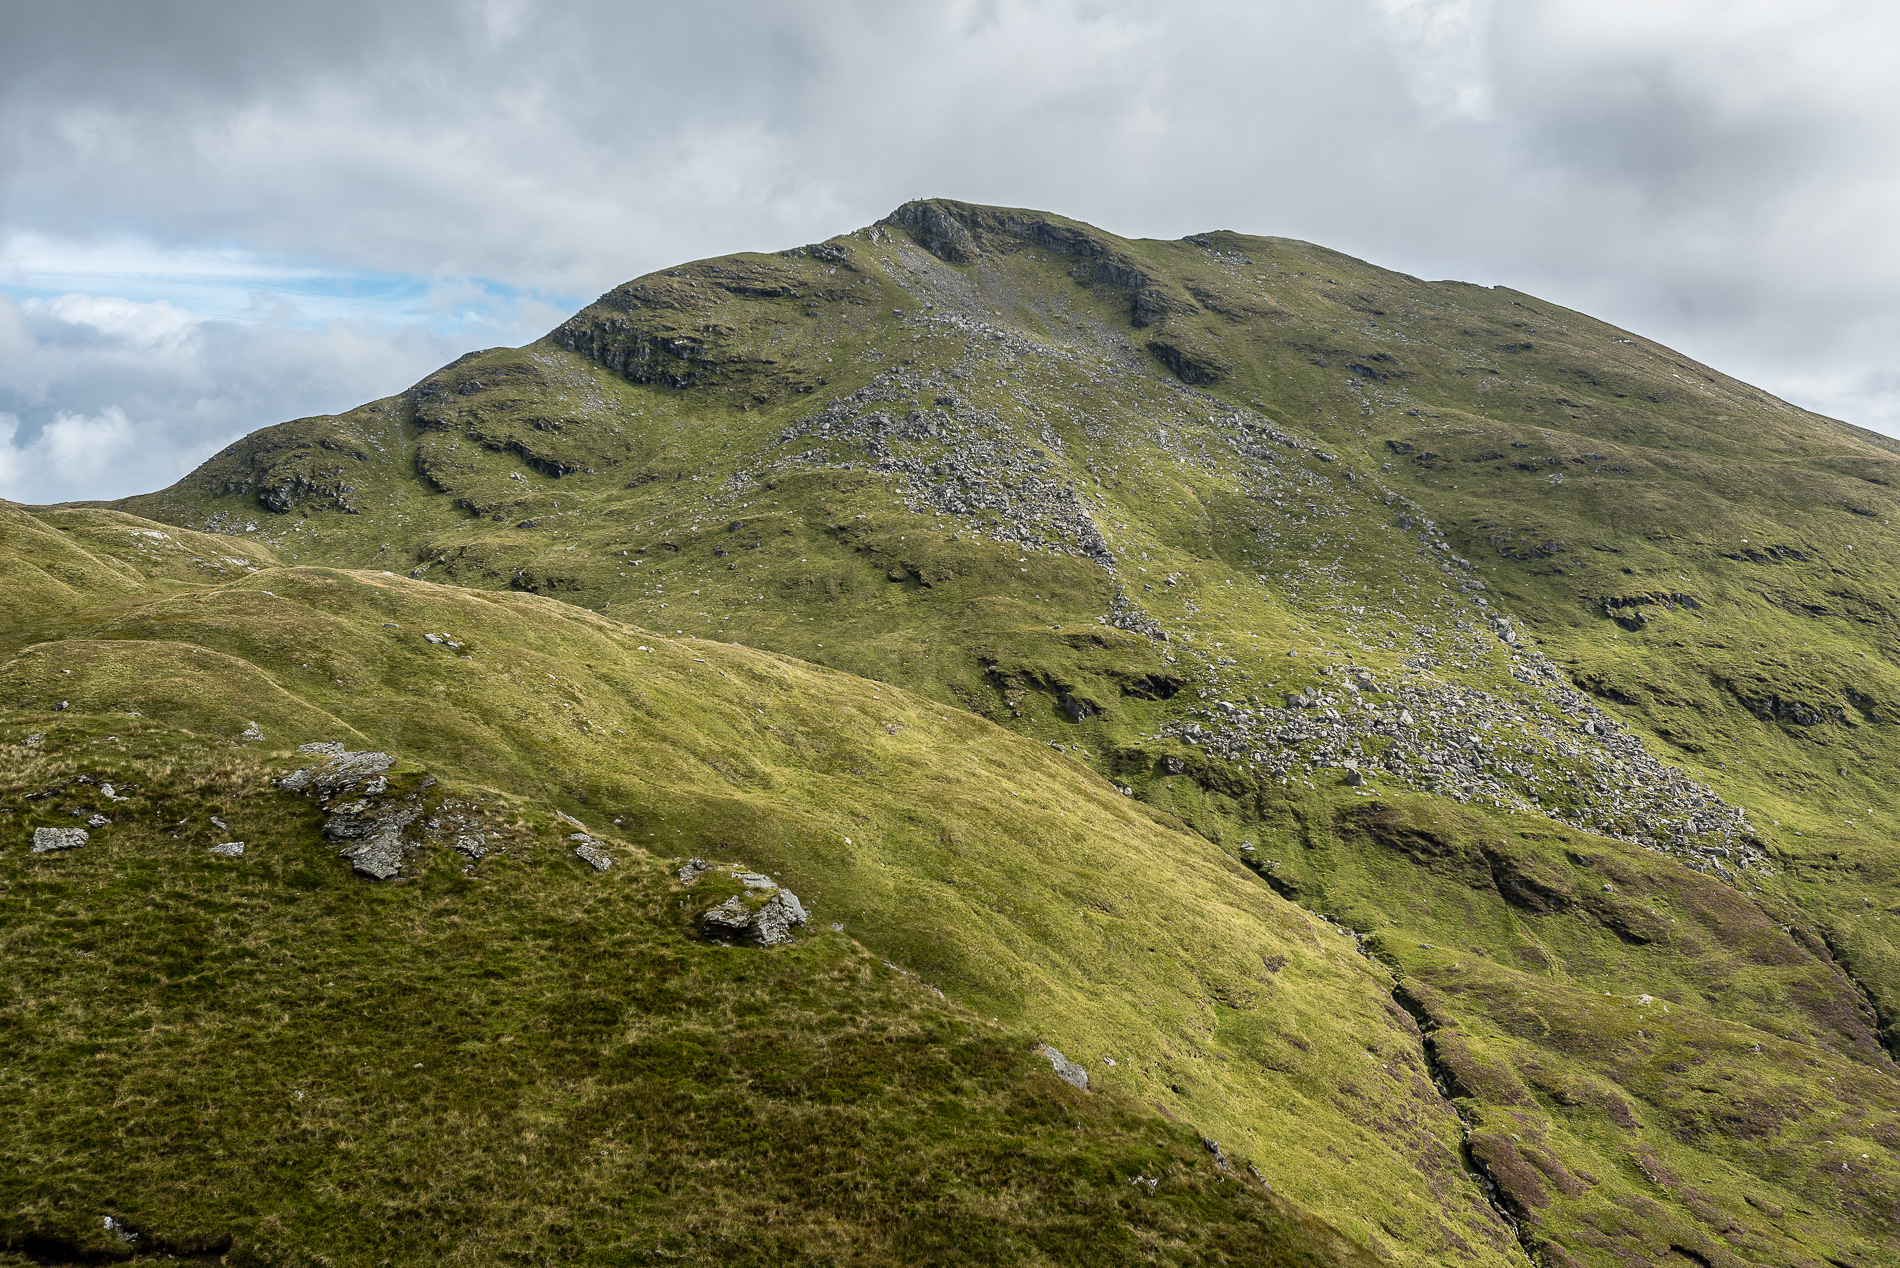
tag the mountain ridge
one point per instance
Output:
(1533, 655)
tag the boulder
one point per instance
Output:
(46, 840)
(768, 924)
(1066, 1070)
(589, 852)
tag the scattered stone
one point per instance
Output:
(98, 821)
(1538, 747)
(691, 872)
(462, 825)
(46, 840)
(34, 740)
(1066, 1070)
(1213, 1147)
(252, 733)
(229, 849)
(62, 706)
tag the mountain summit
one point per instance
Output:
(1283, 761)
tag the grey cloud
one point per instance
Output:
(101, 398)
(1615, 156)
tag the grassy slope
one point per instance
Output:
(653, 1091)
(684, 508)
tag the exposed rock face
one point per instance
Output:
(46, 840)
(960, 233)
(764, 914)
(1066, 1070)
(1215, 1151)
(292, 489)
(1076, 709)
(351, 787)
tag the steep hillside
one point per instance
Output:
(1559, 670)
(516, 1046)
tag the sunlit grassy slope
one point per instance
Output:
(1557, 669)
(590, 1074)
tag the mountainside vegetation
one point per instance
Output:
(1284, 763)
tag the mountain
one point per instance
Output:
(1423, 752)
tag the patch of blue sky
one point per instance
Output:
(228, 284)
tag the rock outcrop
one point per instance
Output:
(764, 914)
(354, 790)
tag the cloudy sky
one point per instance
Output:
(218, 215)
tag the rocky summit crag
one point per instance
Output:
(976, 741)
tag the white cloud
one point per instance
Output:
(1443, 53)
(144, 327)
(104, 396)
(73, 451)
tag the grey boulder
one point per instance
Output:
(590, 853)
(1066, 1070)
(46, 840)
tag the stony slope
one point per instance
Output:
(1558, 668)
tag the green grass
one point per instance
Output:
(686, 511)
(1042, 903)
(267, 1057)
